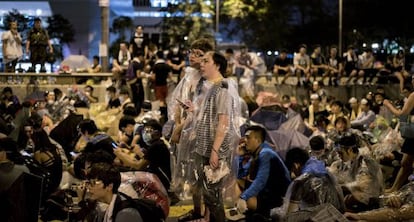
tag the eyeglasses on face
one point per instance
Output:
(93, 182)
(196, 53)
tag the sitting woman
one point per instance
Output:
(47, 156)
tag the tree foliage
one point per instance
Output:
(61, 29)
(188, 19)
(15, 15)
(121, 25)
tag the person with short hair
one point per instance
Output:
(113, 100)
(103, 183)
(36, 44)
(282, 66)
(95, 139)
(268, 178)
(359, 175)
(312, 189)
(12, 47)
(366, 117)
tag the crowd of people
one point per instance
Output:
(214, 142)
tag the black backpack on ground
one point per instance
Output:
(148, 209)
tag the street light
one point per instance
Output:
(340, 28)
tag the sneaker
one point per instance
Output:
(191, 215)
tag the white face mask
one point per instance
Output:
(175, 50)
(72, 102)
(87, 93)
(50, 102)
(121, 99)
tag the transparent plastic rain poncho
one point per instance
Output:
(315, 186)
(183, 164)
(387, 139)
(362, 176)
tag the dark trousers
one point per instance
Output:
(211, 193)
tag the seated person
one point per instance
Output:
(360, 176)
(268, 177)
(87, 95)
(113, 100)
(365, 118)
(157, 158)
(396, 206)
(95, 139)
(313, 186)
(104, 181)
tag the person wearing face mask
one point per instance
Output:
(12, 47)
(112, 99)
(124, 99)
(157, 158)
(88, 96)
(95, 139)
(51, 104)
(175, 59)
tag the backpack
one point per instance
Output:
(148, 209)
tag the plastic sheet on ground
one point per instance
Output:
(76, 62)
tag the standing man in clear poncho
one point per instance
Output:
(184, 124)
(215, 109)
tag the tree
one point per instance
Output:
(121, 25)
(61, 29)
(263, 24)
(15, 15)
(190, 18)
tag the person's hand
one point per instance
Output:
(214, 161)
(394, 201)
(386, 103)
(50, 50)
(352, 216)
(241, 205)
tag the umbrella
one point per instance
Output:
(76, 62)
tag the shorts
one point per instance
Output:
(161, 92)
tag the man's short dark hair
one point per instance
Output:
(317, 143)
(37, 19)
(8, 89)
(160, 54)
(296, 155)
(154, 124)
(125, 121)
(111, 89)
(57, 91)
(203, 44)
(87, 125)
(259, 131)
(220, 61)
(349, 142)
(338, 103)
(96, 57)
(107, 173)
(341, 119)
(230, 51)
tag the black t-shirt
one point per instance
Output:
(282, 62)
(161, 71)
(138, 44)
(114, 103)
(159, 157)
(175, 59)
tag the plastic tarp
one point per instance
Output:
(76, 62)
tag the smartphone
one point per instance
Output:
(114, 145)
(182, 104)
(73, 154)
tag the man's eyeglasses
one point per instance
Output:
(93, 182)
(196, 53)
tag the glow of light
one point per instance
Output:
(39, 12)
(276, 53)
(364, 45)
(375, 45)
(269, 53)
(185, 38)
